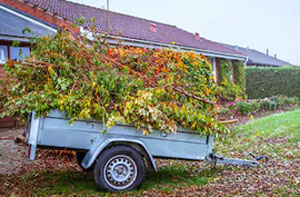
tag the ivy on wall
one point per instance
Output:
(239, 74)
(227, 89)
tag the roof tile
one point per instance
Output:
(130, 26)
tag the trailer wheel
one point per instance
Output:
(119, 168)
(79, 158)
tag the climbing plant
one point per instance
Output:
(239, 75)
(227, 88)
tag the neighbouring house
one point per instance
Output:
(12, 24)
(129, 29)
(257, 58)
(45, 16)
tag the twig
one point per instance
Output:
(229, 121)
(6, 138)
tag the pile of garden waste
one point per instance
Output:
(89, 79)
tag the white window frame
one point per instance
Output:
(214, 67)
(3, 54)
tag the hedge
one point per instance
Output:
(264, 82)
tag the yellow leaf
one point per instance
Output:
(51, 71)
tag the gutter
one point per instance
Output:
(151, 44)
(14, 37)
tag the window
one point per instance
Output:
(19, 53)
(3, 54)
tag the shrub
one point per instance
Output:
(292, 101)
(267, 82)
(248, 107)
(256, 104)
(244, 108)
(225, 112)
(267, 104)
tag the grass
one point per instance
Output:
(263, 136)
(281, 124)
(276, 136)
(70, 182)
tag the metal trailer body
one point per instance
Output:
(56, 132)
(91, 137)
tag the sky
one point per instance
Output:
(257, 24)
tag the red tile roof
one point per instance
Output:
(129, 26)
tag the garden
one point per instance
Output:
(276, 136)
(152, 90)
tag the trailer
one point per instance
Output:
(119, 156)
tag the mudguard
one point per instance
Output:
(102, 143)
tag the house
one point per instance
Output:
(12, 24)
(257, 58)
(130, 30)
(44, 17)
(11, 29)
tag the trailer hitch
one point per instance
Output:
(216, 159)
(259, 158)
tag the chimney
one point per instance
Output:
(275, 56)
(153, 27)
(267, 52)
(197, 36)
(107, 4)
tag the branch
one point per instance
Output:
(154, 82)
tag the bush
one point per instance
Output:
(225, 112)
(267, 82)
(244, 108)
(267, 104)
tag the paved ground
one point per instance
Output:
(12, 154)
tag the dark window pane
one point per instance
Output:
(3, 54)
(19, 53)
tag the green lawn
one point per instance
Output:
(268, 131)
(282, 124)
(276, 136)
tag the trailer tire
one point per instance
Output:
(119, 168)
(79, 158)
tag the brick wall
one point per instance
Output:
(1, 69)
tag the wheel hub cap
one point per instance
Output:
(120, 172)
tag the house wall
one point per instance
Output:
(40, 14)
